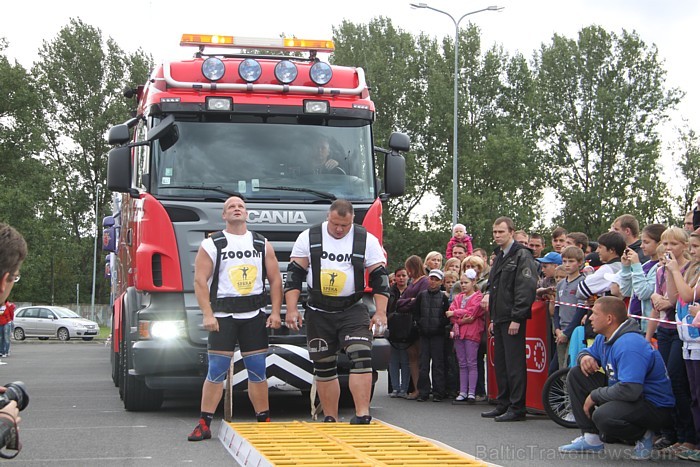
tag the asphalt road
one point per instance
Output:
(75, 417)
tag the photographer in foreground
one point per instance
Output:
(13, 250)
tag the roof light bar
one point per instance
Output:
(287, 43)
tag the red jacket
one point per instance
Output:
(8, 314)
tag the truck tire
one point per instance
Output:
(137, 397)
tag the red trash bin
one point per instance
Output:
(537, 354)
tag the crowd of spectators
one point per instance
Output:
(654, 269)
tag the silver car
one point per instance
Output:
(52, 321)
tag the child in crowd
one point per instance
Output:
(548, 263)
(399, 369)
(467, 318)
(638, 280)
(459, 235)
(559, 239)
(568, 312)
(683, 289)
(611, 246)
(431, 305)
(450, 281)
(559, 274)
(452, 264)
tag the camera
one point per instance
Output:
(17, 392)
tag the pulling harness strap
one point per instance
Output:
(236, 304)
(316, 297)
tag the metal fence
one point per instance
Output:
(102, 314)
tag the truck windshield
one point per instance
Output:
(267, 161)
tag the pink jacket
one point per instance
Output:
(471, 307)
(466, 241)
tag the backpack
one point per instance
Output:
(402, 330)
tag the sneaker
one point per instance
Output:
(662, 443)
(394, 394)
(690, 455)
(422, 398)
(329, 419)
(200, 432)
(437, 398)
(480, 398)
(363, 420)
(263, 417)
(402, 395)
(580, 445)
(471, 399)
(643, 448)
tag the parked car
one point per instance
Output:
(52, 321)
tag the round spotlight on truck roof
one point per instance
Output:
(213, 69)
(321, 73)
(249, 70)
(286, 72)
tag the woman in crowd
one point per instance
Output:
(433, 260)
(406, 304)
(678, 279)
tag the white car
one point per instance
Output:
(52, 321)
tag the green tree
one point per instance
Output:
(689, 169)
(600, 100)
(79, 77)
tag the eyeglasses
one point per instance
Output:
(16, 278)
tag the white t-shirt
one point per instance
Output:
(337, 275)
(240, 272)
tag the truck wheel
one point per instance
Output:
(136, 395)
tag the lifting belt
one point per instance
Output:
(236, 304)
(316, 297)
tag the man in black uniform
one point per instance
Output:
(332, 258)
(510, 293)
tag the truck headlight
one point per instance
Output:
(162, 329)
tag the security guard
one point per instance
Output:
(332, 259)
(229, 284)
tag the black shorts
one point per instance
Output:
(327, 333)
(250, 334)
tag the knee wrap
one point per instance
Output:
(296, 275)
(255, 364)
(326, 369)
(218, 367)
(360, 356)
(379, 281)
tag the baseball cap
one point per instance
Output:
(552, 257)
(436, 273)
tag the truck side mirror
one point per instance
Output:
(118, 134)
(395, 165)
(119, 169)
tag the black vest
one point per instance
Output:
(236, 304)
(316, 297)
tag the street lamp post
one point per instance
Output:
(456, 96)
(94, 255)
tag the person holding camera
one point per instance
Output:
(13, 250)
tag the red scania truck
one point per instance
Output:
(231, 119)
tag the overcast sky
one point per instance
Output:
(156, 26)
